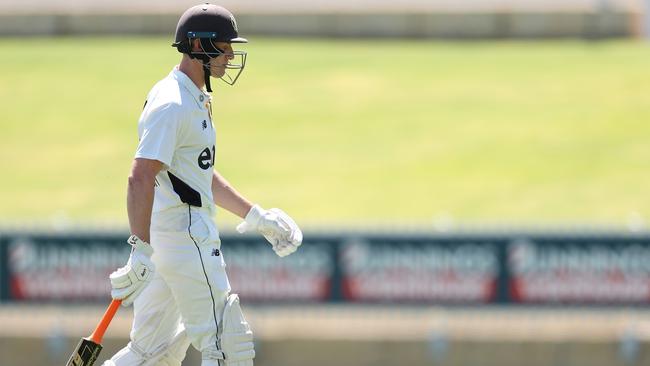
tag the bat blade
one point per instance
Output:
(85, 354)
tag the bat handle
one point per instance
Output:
(98, 334)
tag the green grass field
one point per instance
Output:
(366, 131)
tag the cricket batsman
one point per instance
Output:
(175, 276)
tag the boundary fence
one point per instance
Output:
(461, 269)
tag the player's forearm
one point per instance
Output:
(225, 196)
(139, 202)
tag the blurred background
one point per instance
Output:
(471, 176)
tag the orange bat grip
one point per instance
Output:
(98, 334)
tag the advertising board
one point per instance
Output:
(419, 270)
(257, 274)
(586, 270)
(59, 268)
(472, 270)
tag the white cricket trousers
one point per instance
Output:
(184, 301)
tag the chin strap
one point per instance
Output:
(208, 46)
(206, 76)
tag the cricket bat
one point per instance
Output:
(89, 347)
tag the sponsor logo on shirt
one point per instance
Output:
(206, 158)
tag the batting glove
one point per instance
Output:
(129, 281)
(276, 226)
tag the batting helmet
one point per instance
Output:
(210, 23)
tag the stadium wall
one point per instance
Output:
(365, 298)
(48, 350)
(407, 25)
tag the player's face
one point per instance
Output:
(218, 64)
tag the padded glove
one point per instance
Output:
(276, 226)
(129, 281)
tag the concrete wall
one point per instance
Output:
(314, 352)
(583, 22)
(368, 335)
(445, 25)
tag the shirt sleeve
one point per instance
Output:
(159, 134)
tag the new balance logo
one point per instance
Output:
(215, 252)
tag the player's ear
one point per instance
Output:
(196, 45)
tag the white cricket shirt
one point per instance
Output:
(176, 128)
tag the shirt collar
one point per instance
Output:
(201, 97)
